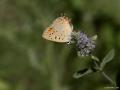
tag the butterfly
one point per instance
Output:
(59, 31)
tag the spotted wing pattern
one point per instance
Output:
(59, 31)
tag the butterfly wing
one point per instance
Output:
(59, 31)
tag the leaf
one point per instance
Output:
(78, 53)
(95, 58)
(82, 73)
(94, 37)
(107, 58)
(95, 66)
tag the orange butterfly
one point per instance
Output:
(59, 31)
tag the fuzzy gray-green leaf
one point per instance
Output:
(81, 73)
(107, 58)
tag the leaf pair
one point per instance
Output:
(99, 66)
(107, 58)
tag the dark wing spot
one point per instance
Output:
(55, 37)
(59, 37)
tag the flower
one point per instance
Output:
(84, 44)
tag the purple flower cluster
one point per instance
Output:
(85, 45)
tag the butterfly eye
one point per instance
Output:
(68, 42)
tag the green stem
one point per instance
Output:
(108, 78)
(104, 74)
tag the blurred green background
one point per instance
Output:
(29, 62)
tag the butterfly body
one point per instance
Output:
(59, 31)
